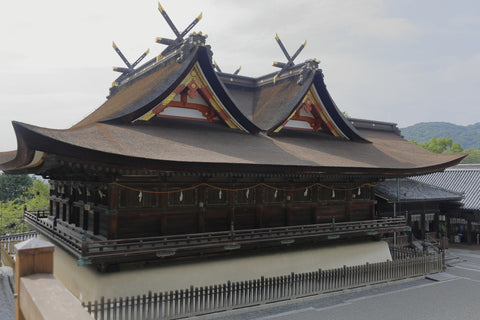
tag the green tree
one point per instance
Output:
(13, 185)
(440, 145)
(446, 145)
(473, 156)
(34, 198)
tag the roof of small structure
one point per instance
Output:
(463, 178)
(177, 113)
(408, 190)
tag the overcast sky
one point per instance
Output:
(404, 61)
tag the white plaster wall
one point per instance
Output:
(87, 284)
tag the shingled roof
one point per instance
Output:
(223, 121)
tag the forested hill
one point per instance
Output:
(467, 136)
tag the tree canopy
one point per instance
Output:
(23, 190)
(13, 185)
(446, 145)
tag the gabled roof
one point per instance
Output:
(413, 191)
(242, 123)
(463, 178)
(153, 86)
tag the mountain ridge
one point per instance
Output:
(468, 136)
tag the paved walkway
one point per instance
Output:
(446, 296)
(7, 304)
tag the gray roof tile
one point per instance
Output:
(461, 178)
(413, 191)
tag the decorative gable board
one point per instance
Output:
(311, 115)
(193, 99)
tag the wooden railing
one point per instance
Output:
(68, 237)
(203, 300)
(231, 240)
(7, 246)
(90, 250)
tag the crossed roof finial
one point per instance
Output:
(215, 66)
(130, 66)
(171, 44)
(290, 59)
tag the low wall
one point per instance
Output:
(87, 284)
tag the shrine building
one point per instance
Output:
(184, 161)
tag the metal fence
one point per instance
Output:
(232, 295)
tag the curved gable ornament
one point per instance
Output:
(311, 115)
(193, 99)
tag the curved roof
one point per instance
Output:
(247, 133)
(197, 144)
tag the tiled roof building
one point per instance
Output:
(463, 178)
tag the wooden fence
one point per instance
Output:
(7, 246)
(204, 300)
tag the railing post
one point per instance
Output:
(32, 256)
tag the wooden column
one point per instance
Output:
(84, 217)
(259, 198)
(410, 234)
(96, 220)
(163, 204)
(468, 232)
(202, 203)
(232, 197)
(288, 207)
(422, 225)
(32, 256)
(372, 197)
(113, 212)
(316, 206)
(348, 206)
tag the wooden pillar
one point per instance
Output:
(410, 234)
(112, 217)
(316, 205)
(372, 197)
(57, 209)
(163, 204)
(288, 207)
(113, 212)
(202, 203)
(468, 232)
(32, 256)
(348, 206)
(232, 196)
(84, 215)
(422, 225)
(259, 198)
(96, 221)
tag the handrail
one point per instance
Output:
(18, 236)
(162, 246)
(170, 245)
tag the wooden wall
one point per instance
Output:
(140, 208)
